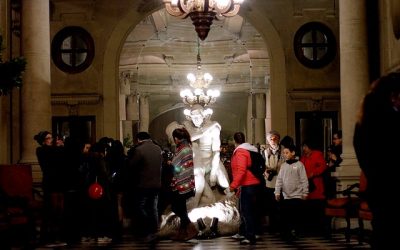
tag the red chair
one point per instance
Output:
(351, 206)
(345, 207)
(364, 213)
(20, 207)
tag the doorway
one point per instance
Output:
(317, 127)
(77, 128)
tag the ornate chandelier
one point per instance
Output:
(202, 12)
(198, 95)
(199, 82)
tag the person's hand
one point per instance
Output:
(278, 197)
(229, 192)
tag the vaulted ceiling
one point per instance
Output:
(161, 50)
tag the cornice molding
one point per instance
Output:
(333, 94)
(81, 99)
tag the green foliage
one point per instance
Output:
(127, 141)
(10, 72)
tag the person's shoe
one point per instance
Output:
(87, 240)
(104, 240)
(56, 244)
(247, 242)
(237, 237)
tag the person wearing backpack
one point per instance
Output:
(246, 185)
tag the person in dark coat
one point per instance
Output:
(143, 184)
(52, 160)
(376, 143)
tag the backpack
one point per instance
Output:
(257, 166)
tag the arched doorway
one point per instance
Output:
(267, 35)
(161, 50)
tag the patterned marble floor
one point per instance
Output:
(227, 243)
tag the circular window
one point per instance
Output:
(72, 49)
(314, 45)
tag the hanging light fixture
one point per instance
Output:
(199, 82)
(202, 12)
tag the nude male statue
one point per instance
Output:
(208, 169)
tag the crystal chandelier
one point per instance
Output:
(198, 95)
(202, 12)
(199, 82)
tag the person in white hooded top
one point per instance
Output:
(292, 183)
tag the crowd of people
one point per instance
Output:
(72, 209)
(290, 200)
(141, 184)
(305, 182)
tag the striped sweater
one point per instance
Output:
(183, 180)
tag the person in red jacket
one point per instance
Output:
(315, 165)
(247, 185)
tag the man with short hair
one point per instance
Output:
(144, 183)
(273, 162)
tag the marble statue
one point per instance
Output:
(208, 169)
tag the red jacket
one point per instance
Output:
(240, 163)
(315, 165)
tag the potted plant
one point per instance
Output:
(10, 72)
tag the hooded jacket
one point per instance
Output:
(240, 163)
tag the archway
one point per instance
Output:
(276, 115)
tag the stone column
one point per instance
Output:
(250, 120)
(36, 91)
(354, 79)
(144, 113)
(259, 119)
(128, 106)
(132, 106)
(132, 115)
(268, 124)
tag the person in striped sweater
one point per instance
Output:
(183, 184)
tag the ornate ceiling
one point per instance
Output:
(162, 50)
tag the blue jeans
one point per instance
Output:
(248, 209)
(146, 210)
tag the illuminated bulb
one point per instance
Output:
(191, 77)
(208, 77)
